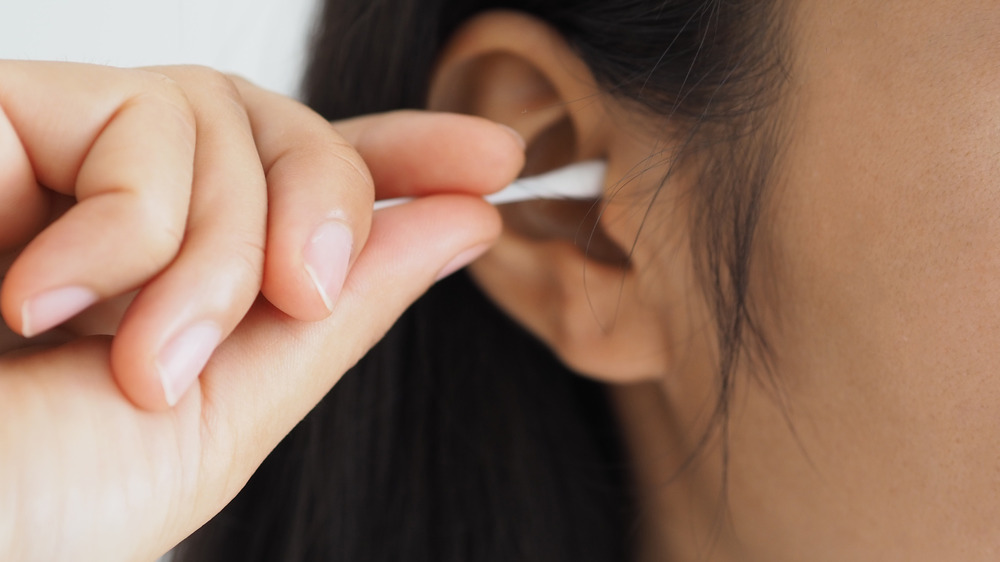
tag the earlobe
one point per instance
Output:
(555, 269)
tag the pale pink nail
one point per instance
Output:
(182, 360)
(517, 136)
(54, 307)
(326, 257)
(462, 259)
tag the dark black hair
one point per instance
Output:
(459, 437)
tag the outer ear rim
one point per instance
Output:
(543, 49)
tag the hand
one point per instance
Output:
(83, 464)
(170, 183)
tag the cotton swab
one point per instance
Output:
(582, 180)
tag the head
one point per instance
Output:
(679, 97)
(795, 252)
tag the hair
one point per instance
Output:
(445, 447)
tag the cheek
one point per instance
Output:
(888, 226)
(885, 232)
(908, 228)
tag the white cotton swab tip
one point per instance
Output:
(582, 180)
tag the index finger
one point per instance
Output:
(417, 153)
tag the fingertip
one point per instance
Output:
(157, 380)
(163, 343)
(182, 359)
(470, 154)
(326, 259)
(319, 216)
(304, 279)
(133, 377)
(50, 308)
(518, 139)
(462, 259)
(29, 307)
(504, 151)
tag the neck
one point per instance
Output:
(679, 483)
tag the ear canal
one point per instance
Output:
(551, 148)
(574, 221)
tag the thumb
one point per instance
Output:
(273, 369)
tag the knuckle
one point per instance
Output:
(217, 94)
(165, 97)
(213, 81)
(162, 87)
(238, 81)
(328, 158)
(192, 83)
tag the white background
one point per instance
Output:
(262, 40)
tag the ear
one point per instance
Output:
(566, 271)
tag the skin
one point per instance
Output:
(877, 278)
(880, 440)
(885, 231)
(169, 159)
(83, 452)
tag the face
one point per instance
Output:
(880, 438)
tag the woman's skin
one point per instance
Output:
(877, 283)
(172, 173)
(163, 168)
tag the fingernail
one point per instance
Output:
(52, 308)
(462, 259)
(326, 257)
(517, 136)
(182, 360)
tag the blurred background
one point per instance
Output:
(261, 40)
